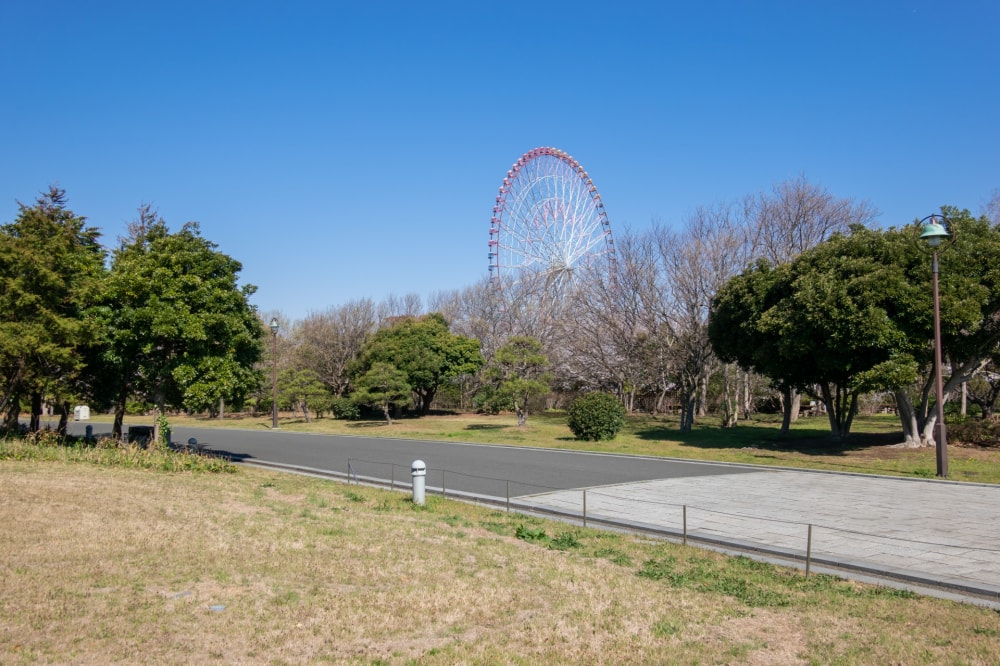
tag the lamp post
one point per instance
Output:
(274, 372)
(934, 233)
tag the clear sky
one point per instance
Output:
(348, 150)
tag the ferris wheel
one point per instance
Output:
(548, 222)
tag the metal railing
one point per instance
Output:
(885, 555)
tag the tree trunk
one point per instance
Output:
(155, 439)
(661, 398)
(927, 434)
(703, 395)
(35, 424)
(630, 398)
(907, 418)
(10, 395)
(791, 400)
(730, 389)
(385, 410)
(11, 423)
(841, 404)
(689, 406)
(747, 399)
(64, 418)
(158, 411)
(116, 429)
(222, 409)
(425, 397)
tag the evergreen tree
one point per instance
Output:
(51, 266)
(180, 330)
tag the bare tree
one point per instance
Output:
(992, 207)
(536, 305)
(328, 341)
(713, 247)
(448, 303)
(797, 215)
(393, 307)
(611, 333)
(281, 343)
(475, 312)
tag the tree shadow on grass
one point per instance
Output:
(486, 426)
(807, 441)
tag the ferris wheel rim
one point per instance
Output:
(597, 224)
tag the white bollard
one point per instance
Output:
(419, 471)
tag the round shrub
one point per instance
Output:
(596, 416)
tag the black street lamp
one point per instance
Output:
(934, 233)
(274, 372)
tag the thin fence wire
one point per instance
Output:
(449, 481)
(811, 542)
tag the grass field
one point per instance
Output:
(121, 563)
(869, 450)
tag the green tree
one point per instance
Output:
(302, 389)
(425, 351)
(382, 386)
(823, 324)
(51, 266)
(179, 329)
(517, 373)
(854, 314)
(970, 314)
(328, 341)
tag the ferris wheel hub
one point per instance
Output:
(548, 218)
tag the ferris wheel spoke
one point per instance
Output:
(548, 221)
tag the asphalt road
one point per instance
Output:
(493, 470)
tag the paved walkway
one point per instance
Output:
(921, 531)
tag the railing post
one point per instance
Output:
(809, 547)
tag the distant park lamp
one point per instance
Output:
(934, 233)
(274, 371)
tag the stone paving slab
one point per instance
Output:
(927, 531)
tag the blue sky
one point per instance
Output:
(343, 150)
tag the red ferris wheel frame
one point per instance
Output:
(548, 216)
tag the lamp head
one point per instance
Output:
(274, 325)
(934, 233)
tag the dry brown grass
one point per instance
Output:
(104, 565)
